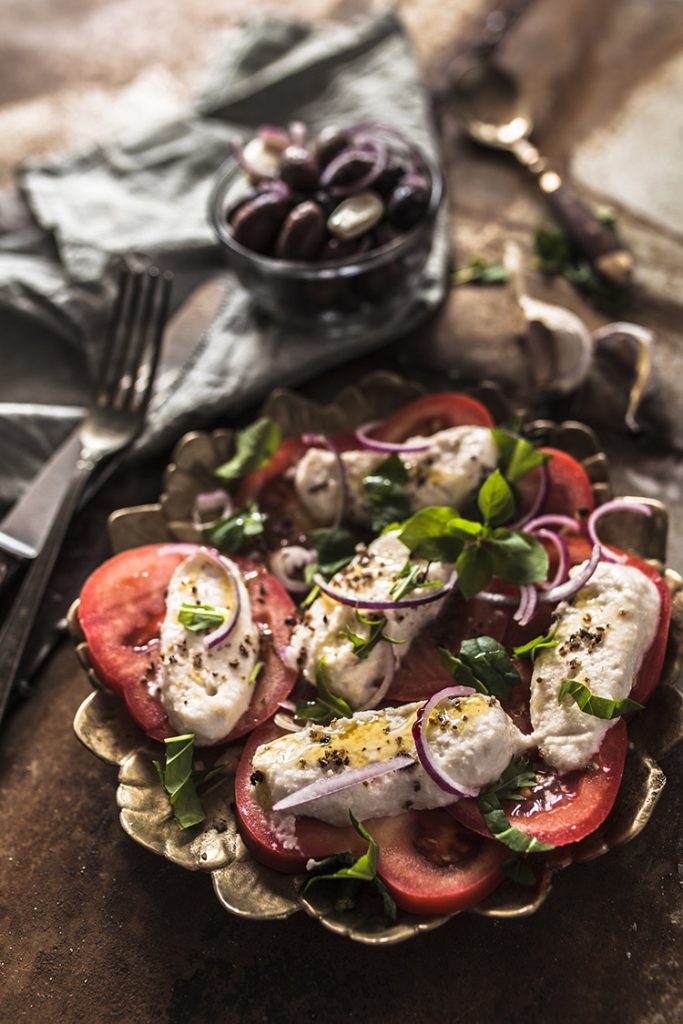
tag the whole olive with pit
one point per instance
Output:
(257, 223)
(302, 232)
(299, 169)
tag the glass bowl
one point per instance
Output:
(367, 291)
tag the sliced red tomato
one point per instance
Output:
(565, 808)
(570, 491)
(122, 607)
(426, 415)
(430, 864)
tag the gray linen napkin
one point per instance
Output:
(147, 195)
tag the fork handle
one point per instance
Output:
(17, 628)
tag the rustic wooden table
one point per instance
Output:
(95, 929)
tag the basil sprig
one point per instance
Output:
(598, 707)
(516, 777)
(197, 617)
(480, 551)
(255, 673)
(479, 271)
(534, 647)
(352, 872)
(326, 705)
(363, 645)
(335, 547)
(386, 494)
(412, 576)
(254, 446)
(234, 532)
(484, 664)
(180, 780)
(516, 455)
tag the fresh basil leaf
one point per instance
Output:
(516, 455)
(598, 707)
(236, 531)
(495, 500)
(517, 777)
(459, 670)
(335, 546)
(326, 705)
(178, 781)
(254, 446)
(480, 271)
(556, 254)
(474, 566)
(412, 576)
(344, 868)
(495, 818)
(518, 870)
(466, 529)
(255, 673)
(490, 665)
(518, 557)
(363, 645)
(533, 648)
(197, 617)
(426, 534)
(386, 493)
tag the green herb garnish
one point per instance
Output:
(598, 707)
(480, 271)
(352, 871)
(234, 532)
(197, 617)
(254, 446)
(412, 577)
(335, 547)
(533, 648)
(516, 456)
(180, 780)
(363, 645)
(516, 777)
(386, 493)
(484, 664)
(557, 254)
(326, 705)
(495, 500)
(255, 673)
(518, 869)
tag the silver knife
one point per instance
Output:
(25, 527)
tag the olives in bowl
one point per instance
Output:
(330, 230)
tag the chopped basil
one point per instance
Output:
(516, 456)
(352, 871)
(363, 645)
(326, 706)
(412, 577)
(516, 777)
(484, 664)
(234, 532)
(495, 500)
(335, 547)
(255, 673)
(197, 617)
(557, 254)
(180, 782)
(598, 707)
(254, 446)
(386, 493)
(479, 271)
(533, 648)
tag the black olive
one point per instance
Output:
(256, 224)
(299, 169)
(408, 203)
(330, 143)
(348, 169)
(388, 179)
(301, 233)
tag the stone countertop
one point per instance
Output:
(95, 929)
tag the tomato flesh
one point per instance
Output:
(430, 413)
(122, 607)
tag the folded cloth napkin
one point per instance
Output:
(147, 195)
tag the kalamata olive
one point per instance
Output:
(301, 233)
(408, 203)
(245, 197)
(385, 182)
(260, 159)
(299, 169)
(329, 143)
(347, 168)
(355, 215)
(257, 223)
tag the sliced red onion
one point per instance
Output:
(287, 705)
(286, 561)
(326, 442)
(286, 722)
(422, 744)
(527, 604)
(217, 499)
(286, 655)
(274, 136)
(384, 606)
(618, 505)
(551, 519)
(560, 593)
(344, 779)
(562, 571)
(380, 157)
(417, 160)
(218, 635)
(537, 504)
(387, 679)
(375, 445)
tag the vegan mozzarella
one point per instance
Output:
(446, 473)
(206, 691)
(472, 741)
(370, 575)
(603, 636)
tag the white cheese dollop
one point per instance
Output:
(206, 692)
(455, 463)
(472, 740)
(370, 575)
(603, 635)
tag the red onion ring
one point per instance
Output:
(527, 604)
(537, 504)
(283, 572)
(207, 500)
(416, 158)
(552, 519)
(326, 442)
(562, 572)
(385, 446)
(383, 606)
(618, 505)
(286, 722)
(344, 779)
(218, 635)
(380, 157)
(287, 705)
(422, 740)
(559, 593)
(387, 680)
(274, 136)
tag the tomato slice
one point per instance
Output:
(121, 610)
(430, 864)
(570, 491)
(565, 808)
(430, 413)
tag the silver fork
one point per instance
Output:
(116, 416)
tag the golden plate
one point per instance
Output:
(243, 886)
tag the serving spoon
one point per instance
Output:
(494, 114)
